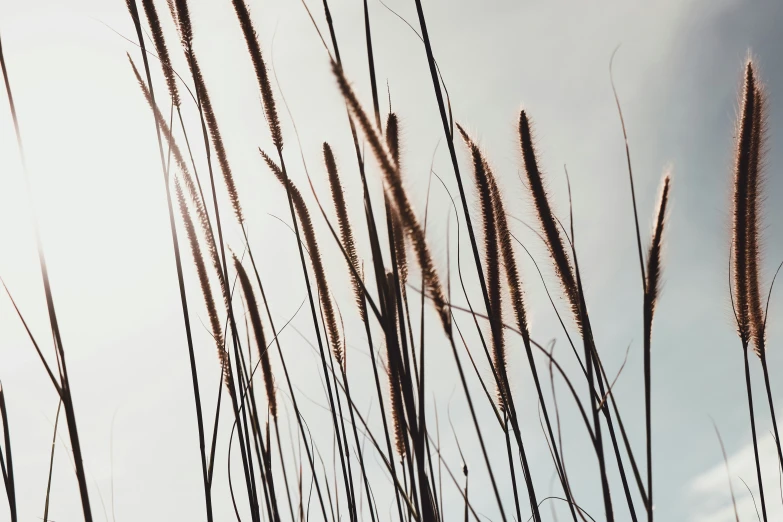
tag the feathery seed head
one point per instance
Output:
(161, 48)
(255, 320)
(217, 139)
(346, 232)
(322, 284)
(755, 196)
(394, 362)
(654, 264)
(399, 199)
(742, 174)
(256, 56)
(206, 289)
(491, 261)
(547, 221)
(393, 138)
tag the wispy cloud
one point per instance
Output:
(709, 491)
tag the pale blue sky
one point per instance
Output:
(101, 206)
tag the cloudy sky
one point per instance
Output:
(100, 203)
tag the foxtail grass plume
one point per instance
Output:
(396, 412)
(743, 167)
(217, 139)
(206, 289)
(186, 30)
(393, 138)
(315, 258)
(189, 183)
(393, 143)
(251, 306)
(172, 10)
(179, 160)
(254, 49)
(653, 276)
(182, 18)
(160, 47)
(755, 197)
(652, 288)
(513, 279)
(546, 219)
(746, 292)
(400, 252)
(393, 359)
(491, 262)
(346, 233)
(400, 200)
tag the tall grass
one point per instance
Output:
(394, 449)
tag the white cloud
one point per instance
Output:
(710, 495)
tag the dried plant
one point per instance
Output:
(254, 49)
(315, 258)
(546, 219)
(755, 182)
(206, 288)
(411, 456)
(393, 371)
(653, 276)
(393, 138)
(742, 172)
(400, 200)
(181, 15)
(652, 289)
(161, 49)
(400, 251)
(6, 459)
(251, 306)
(189, 184)
(491, 264)
(217, 139)
(746, 298)
(346, 233)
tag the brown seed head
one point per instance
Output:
(547, 221)
(742, 172)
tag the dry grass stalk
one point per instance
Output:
(491, 263)
(744, 246)
(251, 305)
(206, 288)
(652, 289)
(393, 370)
(217, 139)
(755, 182)
(315, 258)
(7, 461)
(254, 49)
(393, 138)
(400, 200)
(346, 233)
(393, 142)
(514, 282)
(742, 173)
(188, 182)
(399, 249)
(653, 277)
(172, 10)
(397, 412)
(546, 219)
(160, 47)
(181, 15)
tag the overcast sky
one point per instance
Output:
(100, 202)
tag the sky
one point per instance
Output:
(99, 200)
